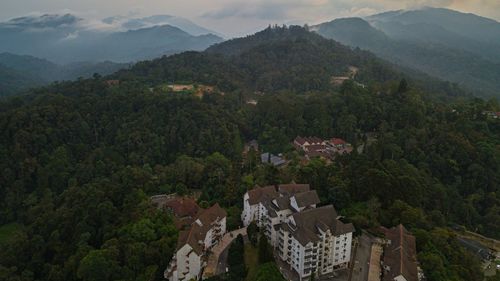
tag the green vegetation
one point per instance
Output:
(20, 73)
(443, 58)
(9, 231)
(251, 261)
(265, 250)
(79, 160)
(253, 233)
(235, 261)
(268, 272)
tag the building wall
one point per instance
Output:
(195, 265)
(250, 212)
(324, 256)
(209, 239)
(342, 247)
(188, 264)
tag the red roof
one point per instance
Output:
(183, 207)
(311, 140)
(400, 254)
(337, 141)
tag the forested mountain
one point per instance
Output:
(272, 60)
(12, 81)
(468, 32)
(159, 20)
(23, 72)
(66, 39)
(79, 159)
(424, 43)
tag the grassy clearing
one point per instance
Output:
(251, 261)
(7, 231)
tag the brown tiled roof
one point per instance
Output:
(182, 207)
(316, 147)
(324, 154)
(309, 221)
(337, 141)
(300, 140)
(400, 254)
(283, 202)
(293, 188)
(311, 140)
(307, 198)
(260, 194)
(195, 236)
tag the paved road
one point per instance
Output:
(362, 261)
(222, 265)
(215, 264)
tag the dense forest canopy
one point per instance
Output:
(78, 160)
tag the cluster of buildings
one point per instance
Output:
(309, 239)
(326, 149)
(199, 231)
(492, 114)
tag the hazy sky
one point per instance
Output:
(235, 17)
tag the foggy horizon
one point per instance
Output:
(236, 18)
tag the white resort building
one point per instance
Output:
(205, 231)
(307, 238)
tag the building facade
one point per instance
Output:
(316, 241)
(307, 238)
(207, 229)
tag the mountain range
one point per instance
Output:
(277, 59)
(19, 73)
(66, 38)
(458, 47)
(37, 50)
(445, 44)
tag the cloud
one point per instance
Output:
(235, 17)
(266, 10)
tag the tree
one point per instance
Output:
(403, 86)
(95, 266)
(236, 260)
(265, 250)
(253, 232)
(268, 272)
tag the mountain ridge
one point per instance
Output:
(67, 38)
(439, 59)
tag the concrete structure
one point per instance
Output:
(206, 230)
(269, 158)
(315, 240)
(307, 238)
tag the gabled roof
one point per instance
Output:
(311, 140)
(310, 222)
(195, 236)
(182, 207)
(261, 194)
(300, 140)
(307, 198)
(281, 203)
(400, 254)
(337, 141)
